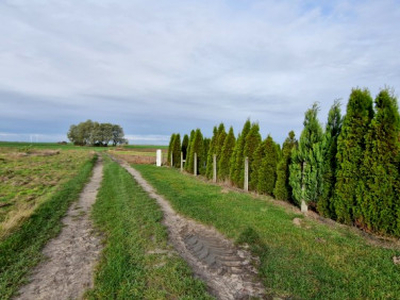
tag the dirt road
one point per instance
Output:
(68, 270)
(227, 270)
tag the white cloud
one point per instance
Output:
(166, 66)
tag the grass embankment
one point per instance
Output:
(137, 262)
(29, 179)
(21, 251)
(311, 261)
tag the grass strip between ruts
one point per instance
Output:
(310, 261)
(21, 251)
(137, 261)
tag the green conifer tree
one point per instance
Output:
(170, 146)
(226, 154)
(258, 157)
(350, 155)
(329, 151)
(211, 152)
(283, 190)
(176, 150)
(185, 144)
(252, 141)
(379, 201)
(196, 146)
(305, 169)
(237, 163)
(220, 143)
(204, 156)
(268, 167)
(189, 154)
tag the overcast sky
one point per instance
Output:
(160, 67)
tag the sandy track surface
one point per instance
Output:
(227, 270)
(71, 257)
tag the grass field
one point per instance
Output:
(30, 178)
(310, 261)
(21, 250)
(137, 262)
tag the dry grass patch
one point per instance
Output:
(28, 178)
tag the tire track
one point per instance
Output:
(227, 270)
(71, 256)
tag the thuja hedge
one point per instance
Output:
(348, 171)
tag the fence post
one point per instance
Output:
(181, 161)
(195, 164)
(172, 159)
(214, 168)
(159, 158)
(246, 174)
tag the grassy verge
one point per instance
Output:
(21, 251)
(311, 261)
(137, 262)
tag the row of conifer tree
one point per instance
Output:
(348, 171)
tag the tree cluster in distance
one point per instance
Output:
(91, 133)
(348, 170)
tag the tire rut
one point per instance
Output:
(227, 270)
(68, 270)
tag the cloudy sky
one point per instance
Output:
(165, 66)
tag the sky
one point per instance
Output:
(170, 66)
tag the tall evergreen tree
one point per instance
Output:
(189, 154)
(379, 201)
(350, 155)
(211, 151)
(220, 142)
(185, 144)
(237, 162)
(305, 169)
(196, 146)
(176, 150)
(329, 151)
(252, 141)
(204, 156)
(226, 154)
(268, 167)
(283, 190)
(170, 147)
(258, 157)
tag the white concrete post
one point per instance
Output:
(195, 165)
(159, 158)
(246, 174)
(214, 168)
(172, 159)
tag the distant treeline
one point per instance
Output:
(348, 171)
(91, 133)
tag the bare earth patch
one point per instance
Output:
(227, 270)
(71, 257)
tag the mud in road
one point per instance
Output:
(68, 270)
(227, 270)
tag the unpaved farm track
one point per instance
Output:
(71, 256)
(226, 270)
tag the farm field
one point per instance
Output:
(30, 176)
(299, 257)
(139, 154)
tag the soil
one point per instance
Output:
(227, 270)
(68, 270)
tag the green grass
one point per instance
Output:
(314, 261)
(21, 251)
(137, 261)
